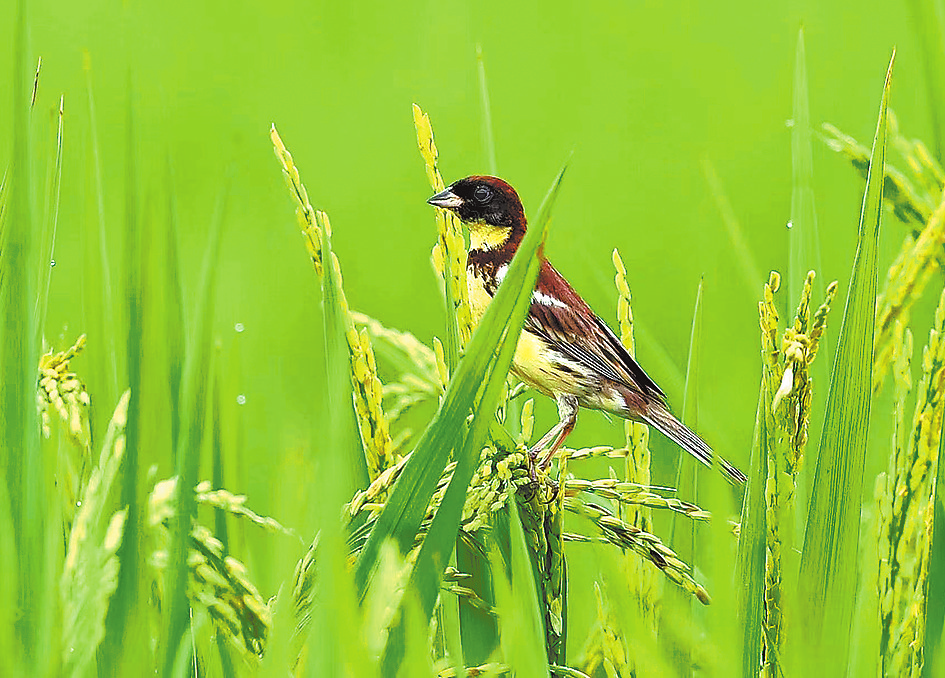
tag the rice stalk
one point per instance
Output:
(498, 476)
(906, 281)
(303, 597)
(604, 649)
(799, 347)
(90, 571)
(541, 516)
(216, 582)
(642, 580)
(908, 205)
(497, 479)
(927, 26)
(905, 499)
(501, 475)
(479, 385)
(925, 169)
(452, 583)
(368, 392)
(598, 451)
(901, 346)
(647, 545)
(222, 499)
(778, 489)
(637, 467)
(235, 504)
(634, 495)
(61, 390)
(411, 358)
(449, 253)
(788, 388)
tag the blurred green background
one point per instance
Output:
(646, 94)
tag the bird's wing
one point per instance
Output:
(560, 317)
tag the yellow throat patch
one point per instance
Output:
(484, 236)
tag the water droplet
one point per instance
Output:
(239, 327)
(52, 263)
(790, 224)
(241, 399)
(78, 503)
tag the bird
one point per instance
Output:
(565, 351)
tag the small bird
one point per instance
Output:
(565, 350)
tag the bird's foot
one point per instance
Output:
(531, 459)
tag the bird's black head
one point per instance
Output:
(482, 200)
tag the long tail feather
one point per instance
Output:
(667, 424)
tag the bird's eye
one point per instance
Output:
(482, 194)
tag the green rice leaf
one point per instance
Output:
(497, 335)
(99, 298)
(51, 226)
(521, 621)
(174, 322)
(803, 237)
(498, 329)
(193, 405)
(337, 647)
(3, 202)
(683, 543)
(478, 628)
(828, 572)
(750, 573)
(90, 573)
(804, 248)
(9, 643)
(682, 530)
(129, 553)
(748, 267)
(219, 513)
(23, 466)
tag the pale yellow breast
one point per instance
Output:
(478, 297)
(533, 362)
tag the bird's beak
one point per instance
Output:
(446, 199)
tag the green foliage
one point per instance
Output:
(90, 572)
(828, 574)
(194, 384)
(420, 540)
(521, 626)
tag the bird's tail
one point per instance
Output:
(664, 421)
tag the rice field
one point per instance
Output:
(248, 427)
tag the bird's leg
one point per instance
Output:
(567, 415)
